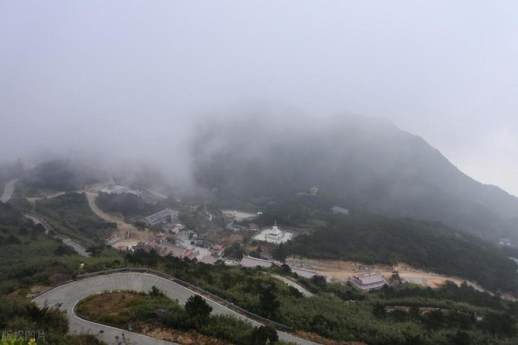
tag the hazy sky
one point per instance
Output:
(106, 74)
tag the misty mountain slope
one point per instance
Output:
(361, 163)
(60, 175)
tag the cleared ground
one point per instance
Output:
(337, 270)
(127, 234)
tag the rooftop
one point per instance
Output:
(368, 281)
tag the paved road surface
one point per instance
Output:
(8, 191)
(73, 244)
(293, 284)
(67, 296)
(48, 229)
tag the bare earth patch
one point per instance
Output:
(127, 234)
(324, 341)
(108, 304)
(180, 337)
(340, 271)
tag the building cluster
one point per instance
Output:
(169, 237)
(182, 245)
(253, 262)
(172, 238)
(166, 216)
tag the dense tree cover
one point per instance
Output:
(58, 175)
(370, 239)
(29, 257)
(430, 246)
(400, 316)
(361, 163)
(47, 326)
(450, 292)
(253, 291)
(197, 310)
(71, 215)
(342, 313)
(127, 204)
(201, 218)
(121, 309)
(234, 251)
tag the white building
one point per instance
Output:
(340, 210)
(274, 235)
(165, 216)
(368, 281)
(303, 272)
(251, 262)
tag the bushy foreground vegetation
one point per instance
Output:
(154, 310)
(12, 340)
(29, 257)
(71, 215)
(21, 321)
(423, 245)
(57, 176)
(406, 315)
(126, 204)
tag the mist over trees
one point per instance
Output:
(356, 162)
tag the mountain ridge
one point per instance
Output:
(360, 162)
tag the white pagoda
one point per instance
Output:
(274, 235)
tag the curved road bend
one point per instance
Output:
(293, 284)
(65, 297)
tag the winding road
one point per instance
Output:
(66, 297)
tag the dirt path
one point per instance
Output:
(127, 234)
(121, 224)
(337, 270)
